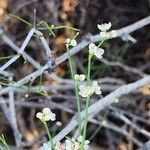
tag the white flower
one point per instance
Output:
(104, 123)
(104, 34)
(58, 123)
(80, 138)
(60, 146)
(104, 26)
(46, 115)
(75, 146)
(113, 33)
(46, 146)
(86, 142)
(94, 50)
(39, 115)
(68, 144)
(97, 89)
(116, 100)
(71, 42)
(87, 91)
(79, 77)
(46, 110)
(110, 34)
(71, 144)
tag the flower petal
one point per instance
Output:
(76, 77)
(46, 118)
(99, 53)
(82, 86)
(113, 33)
(68, 41)
(80, 139)
(82, 77)
(46, 110)
(91, 46)
(104, 34)
(97, 89)
(104, 27)
(39, 115)
(73, 42)
(52, 116)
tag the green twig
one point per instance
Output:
(76, 88)
(60, 27)
(50, 29)
(2, 139)
(19, 18)
(49, 135)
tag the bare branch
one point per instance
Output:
(101, 104)
(20, 51)
(96, 38)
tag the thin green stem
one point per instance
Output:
(86, 118)
(76, 89)
(95, 133)
(8, 148)
(49, 28)
(21, 19)
(87, 102)
(63, 26)
(89, 68)
(59, 27)
(7, 57)
(70, 63)
(99, 128)
(78, 106)
(2, 139)
(49, 135)
(101, 42)
(88, 99)
(41, 80)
